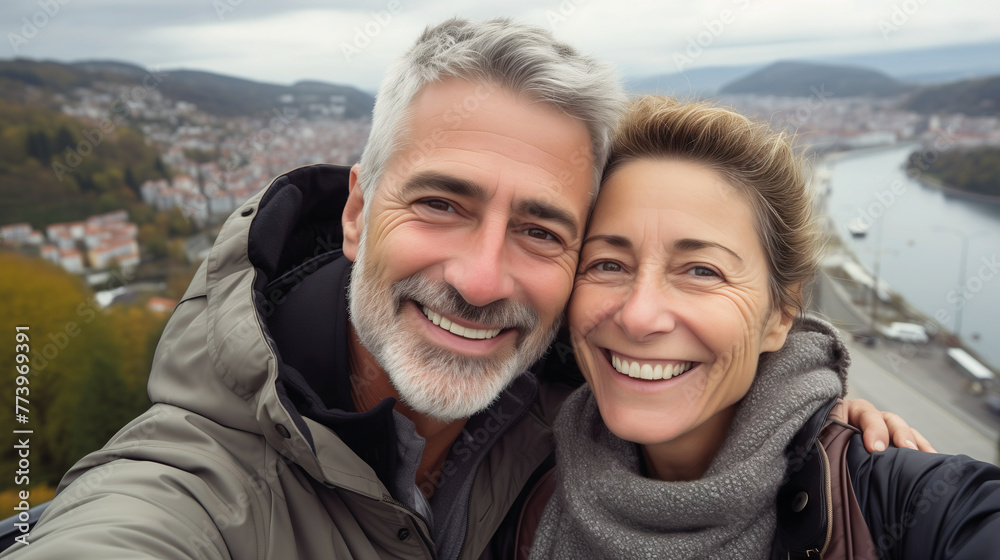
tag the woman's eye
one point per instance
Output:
(703, 271)
(608, 266)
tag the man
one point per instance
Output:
(306, 407)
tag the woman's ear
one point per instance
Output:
(776, 330)
(353, 217)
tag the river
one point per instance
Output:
(921, 231)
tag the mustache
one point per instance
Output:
(445, 299)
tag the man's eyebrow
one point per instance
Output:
(689, 244)
(613, 240)
(438, 182)
(545, 211)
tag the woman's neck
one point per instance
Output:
(689, 456)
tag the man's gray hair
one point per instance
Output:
(521, 58)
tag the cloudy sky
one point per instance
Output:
(352, 41)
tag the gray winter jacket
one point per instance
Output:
(223, 465)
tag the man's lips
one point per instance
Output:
(469, 332)
(652, 370)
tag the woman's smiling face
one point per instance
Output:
(671, 307)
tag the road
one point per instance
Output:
(916, 383)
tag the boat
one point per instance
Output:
(858, 228)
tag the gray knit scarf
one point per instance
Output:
(604, 508)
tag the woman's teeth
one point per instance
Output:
(444, 323)
(639, 370)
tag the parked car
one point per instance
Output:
(907, 332)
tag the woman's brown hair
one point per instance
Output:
(757, 161)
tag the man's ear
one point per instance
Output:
(353, 217)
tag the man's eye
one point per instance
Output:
(438, 204)
(539, 233)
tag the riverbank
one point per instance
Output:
(846, 296)
(934, 183)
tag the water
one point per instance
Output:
(921, 232)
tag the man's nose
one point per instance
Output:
(481, 269)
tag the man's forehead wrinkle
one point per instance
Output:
(512, 139)
(523, 143)
(554, 178)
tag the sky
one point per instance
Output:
(354, 41)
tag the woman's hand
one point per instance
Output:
(878, 427)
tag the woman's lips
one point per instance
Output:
(650, 370)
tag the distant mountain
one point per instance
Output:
(979, 97)
(930, 65)
(692, 83)
(933, 65)
(800, 79)
(225, 96)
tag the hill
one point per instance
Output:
(690, 83)
(929, 65)
(799, 79)
(50, 172)
(979, 97)
(975, 171)
(223, 96)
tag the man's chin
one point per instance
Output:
(451, 392)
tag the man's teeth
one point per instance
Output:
(646, 371)
(446, 324)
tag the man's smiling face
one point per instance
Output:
(468, 255)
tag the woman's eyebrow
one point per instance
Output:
(688, 244)
(613, 240)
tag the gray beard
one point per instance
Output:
(431, 380)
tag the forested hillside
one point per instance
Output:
(975, 171)
(88, 365)
(56, 168)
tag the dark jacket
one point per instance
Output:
(915, 504)
(252, 448)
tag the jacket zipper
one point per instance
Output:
(475, 475)
(829, 499)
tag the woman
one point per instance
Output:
(701, 369)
